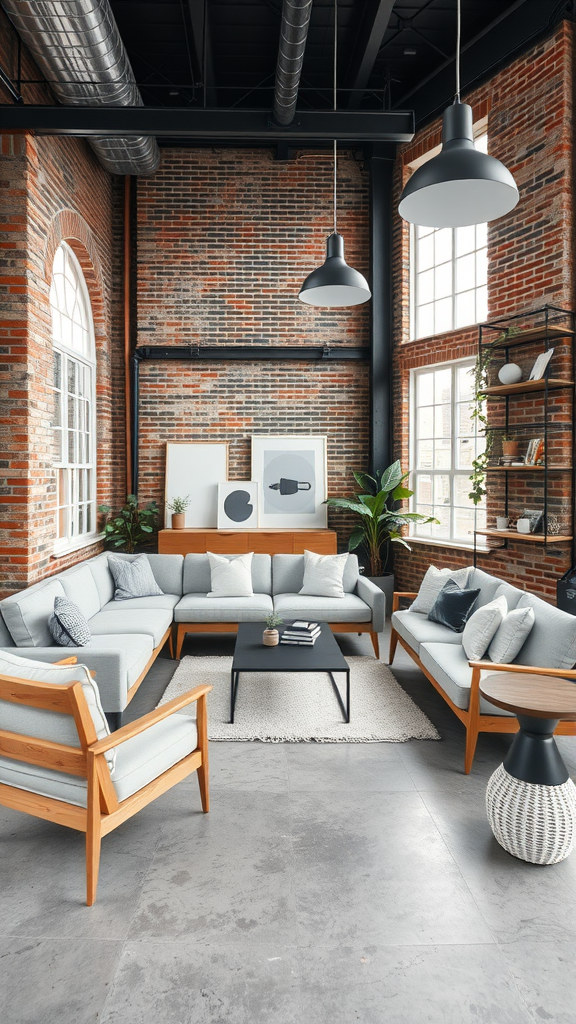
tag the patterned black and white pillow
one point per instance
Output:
(67, 624)
(132, 577)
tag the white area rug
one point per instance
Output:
(297, 707)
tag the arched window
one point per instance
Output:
(74, 420)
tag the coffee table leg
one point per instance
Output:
(234, 679)
(530, 799)
(345, 710)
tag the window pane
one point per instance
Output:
(425, 455)
(425, 422)
(461, 490)
(441, 529)
(425, 389)
(442, 454)
(465, 453)
(443, 421)
(443, 245)
(424, 490)
(424, 529)
(465, 381)
(443, 386)
(465, 309)
(425, 322)
(426, 253)
(465, 421)
(481, 235)
(441, 489)
(465, 240)
(443, 281)
(465, 272)
(426, 286)
(57, 370)
(443, 316)
(464, 523)
(481, 266)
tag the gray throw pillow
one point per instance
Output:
(68, 626)
(133, 578)
(511, 635)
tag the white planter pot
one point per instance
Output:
(385, 583)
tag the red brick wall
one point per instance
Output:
(225, 239)
(52, 189)
(529, 109)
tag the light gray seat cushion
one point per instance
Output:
(138, 762)
(349, 608)
(201, 608)
(551, 642)
(198, 579)
(448, 664)
(416, 628)
(167, 570)
(80, 587)
(153, 621)
(164, 602)
(26, 614)
(288, 574)
(6, 639)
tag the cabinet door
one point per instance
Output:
(323, 542)
(180, 542)
(270, 542)
(223, 543)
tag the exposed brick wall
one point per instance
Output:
(225, 239)
(53, 190)
(530, 125)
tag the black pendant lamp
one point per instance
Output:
(335, 283)
(460, 185)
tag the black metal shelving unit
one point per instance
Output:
(547, 324)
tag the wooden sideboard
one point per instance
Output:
(236, 542)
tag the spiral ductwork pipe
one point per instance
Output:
(293, 34)
(78, 48)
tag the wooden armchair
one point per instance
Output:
(78, 773)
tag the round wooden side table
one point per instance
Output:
(531, 799)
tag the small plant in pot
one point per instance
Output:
(270, 637)
(380, 521)
(178, 508)
(132, 526)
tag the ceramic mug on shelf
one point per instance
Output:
(502, 522)
(523, 526)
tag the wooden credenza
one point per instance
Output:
(236, 542)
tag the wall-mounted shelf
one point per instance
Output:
(529, 469)
(531, 538)
(553, 333)
(525, 387)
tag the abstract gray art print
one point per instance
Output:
(291, 472)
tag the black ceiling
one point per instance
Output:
(177, 62)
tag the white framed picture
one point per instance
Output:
(539, 368)
(194, 470)
(238, 505)
(291, 474)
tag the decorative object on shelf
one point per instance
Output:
(539, 368)
(335, 283)
(196, 468)
(460, 185)
(502, 522)
(535, 517)
(510, 447)
(238, 505)
(131, 526)
(270, 637)
(291, 476)
(510, 373)
(535, 452)
(380, 522)
(178, 508)
(524, 526)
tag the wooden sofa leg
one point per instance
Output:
(393, 646)
(375, 644)
(93, 833)
(471, 741)
(202, 726)
(180, 639)
(171, 643)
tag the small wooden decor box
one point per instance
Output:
(236, 542)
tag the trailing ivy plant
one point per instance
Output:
(131, 525)
(479, 415)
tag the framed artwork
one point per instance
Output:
(539, 368)
(291, 475)
(195, 469)
(535, 516)
(238, 505)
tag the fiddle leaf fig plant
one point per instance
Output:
(130, 526)
(380, 519)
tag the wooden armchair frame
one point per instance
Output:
(104, 812)
(474, 722)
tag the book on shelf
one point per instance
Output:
(302, 625)
(296, 634)
(299, 643)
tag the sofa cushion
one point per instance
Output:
(511, 635)
(166, 569)
(288, 574)
(154, 622)
(132, 578)
(136, 650)
(80, 586)
(26, 614)
(323, 574)
(512, 594)
(201, 608)
(448, 665)
(552, 641)
(197, 578)
(232, 576)
(482, 626)
(416, 628)
(102, 577)
(434, 580)
(162, 601)
(6, 639)
(486, 583)
(349, 608)
(68, 625)
(453, 606)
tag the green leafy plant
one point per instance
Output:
(131, 525)
(272, 620)
(380, 518)
(479, 414)
(179, 505)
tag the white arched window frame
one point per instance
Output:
(74, 386)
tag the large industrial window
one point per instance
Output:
(74, 421)
(449, 272)
(443, 446)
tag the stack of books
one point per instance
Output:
(301, 632)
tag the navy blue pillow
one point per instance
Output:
(453, 606)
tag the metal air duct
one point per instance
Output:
(293, 34)
(77, 46)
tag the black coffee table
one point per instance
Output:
(250, 655)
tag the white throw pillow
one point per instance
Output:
(511, 635)
(230, 577)
(432, 584)
(481, 627)
(323, 575)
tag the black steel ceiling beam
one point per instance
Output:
(373, 25)
(270, 353)
(495, 46)
(207, 124)
(203, 50)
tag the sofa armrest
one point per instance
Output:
(127, 732)
(110, 667)
(398, 595)
(490, 666)
(375, 599)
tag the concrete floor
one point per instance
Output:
(329, 884)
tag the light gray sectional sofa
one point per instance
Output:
(128, 635)
(438, 651)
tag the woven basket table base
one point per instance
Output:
(532, 822)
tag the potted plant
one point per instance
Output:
(129, 527)
(509, 446)
(178, 508)
(381, 521)
(270, 637)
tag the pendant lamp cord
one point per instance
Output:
(458, 13)
(335, 88)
